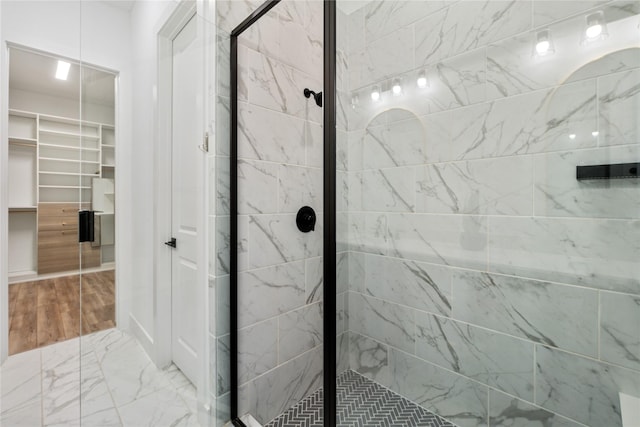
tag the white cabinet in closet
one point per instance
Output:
(69, 157)
(23, 197)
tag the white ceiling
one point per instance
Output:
(36, 73)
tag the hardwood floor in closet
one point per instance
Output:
(47, 311)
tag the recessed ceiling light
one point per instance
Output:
(62, 73)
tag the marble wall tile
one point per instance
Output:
(545, 11)
(276, 239)
(582, 389)
(223, 128)
(383, 321)
(257, 349)
(299, 331)
(257, 183)
(512, 68)
(619, 332)
(355, 31)
(298, 186)
(384, 17)
(160, 408)
(477, 187)
(452, 396)
(356, 272)
(341, 312)
(538, 122)
(223, 367)
(313, 278)
(314, 138)
(222, 242)
(467, 25)
(506, 410)
(558, 193)
(302, 44)
(367, 232)
(223, 64)
(220, 196)
(383, 58)
(230, 13)
(488, 357)
(342, 352)
(555, 315)
(277, 86)
(415, 284)
(369, 358)
(270, 291)
(596, 253)
(438, 136)
(440, 239)
(286, 385)
(388, 190)
(342, 272)
(222, 306)
(619, 107)
(396, 144)
(268, 135)
(265, 36)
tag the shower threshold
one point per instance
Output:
(361, 402)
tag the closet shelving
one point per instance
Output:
(52, 160)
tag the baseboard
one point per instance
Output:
(142, 336)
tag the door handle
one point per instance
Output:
(171, 242)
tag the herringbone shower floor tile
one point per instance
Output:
(361, 403)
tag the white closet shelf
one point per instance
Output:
(22, 141)
(68, 160)
(21, 113)
(68, 147)
(69, 134)
(108, 146)
(23, 208)
(108, 166)
(66, 186)
(95, 175)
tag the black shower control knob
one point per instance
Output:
(306, 219)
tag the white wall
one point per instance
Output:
(99, 34)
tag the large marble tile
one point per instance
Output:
(162, 408)
(21, 389)
(383, 321)
(265, 36)
(558, 193)
(384, 17)
(383, 58)
(582, 389)
(395, 144)
(354, 31)
(477, 187)
(275, 239)
(506, 410)
(61, 383)
(313, 278)
(452, 396)
(369, 357)
(223, 365)
(542, 121)
(222, 307)
(268, 292)
(440, 239)
(278, 87)
(257, 349)
(220, 258)
(388, 190)
(269, 135)
(619, 107)
(257, 183)
(301, 42)
(416, 284)
(342, 272)
(467, 25)
(598, 253)
(314, 138)
(556, 315)
(512, 68)
(220, 193)
(130, 374)
(107, 418)
(342, 352)
(299, 331)
(545, 11)
(286, 385)
(356, 272)
(619, 332)
(230, 13)
(367, 232)
(298, 186)
(488, 357)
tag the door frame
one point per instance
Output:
(162, 345)
(122, 306)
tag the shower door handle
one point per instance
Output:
(171, 242)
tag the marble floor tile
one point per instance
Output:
(161, 408)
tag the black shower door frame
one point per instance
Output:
(329, 223)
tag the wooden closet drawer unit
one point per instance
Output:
(61, 209)
(51, 238)
(58, 258)
(50, 223)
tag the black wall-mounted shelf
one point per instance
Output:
(617, 171)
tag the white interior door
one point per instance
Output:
(186, 135)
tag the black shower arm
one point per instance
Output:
(317, 96)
